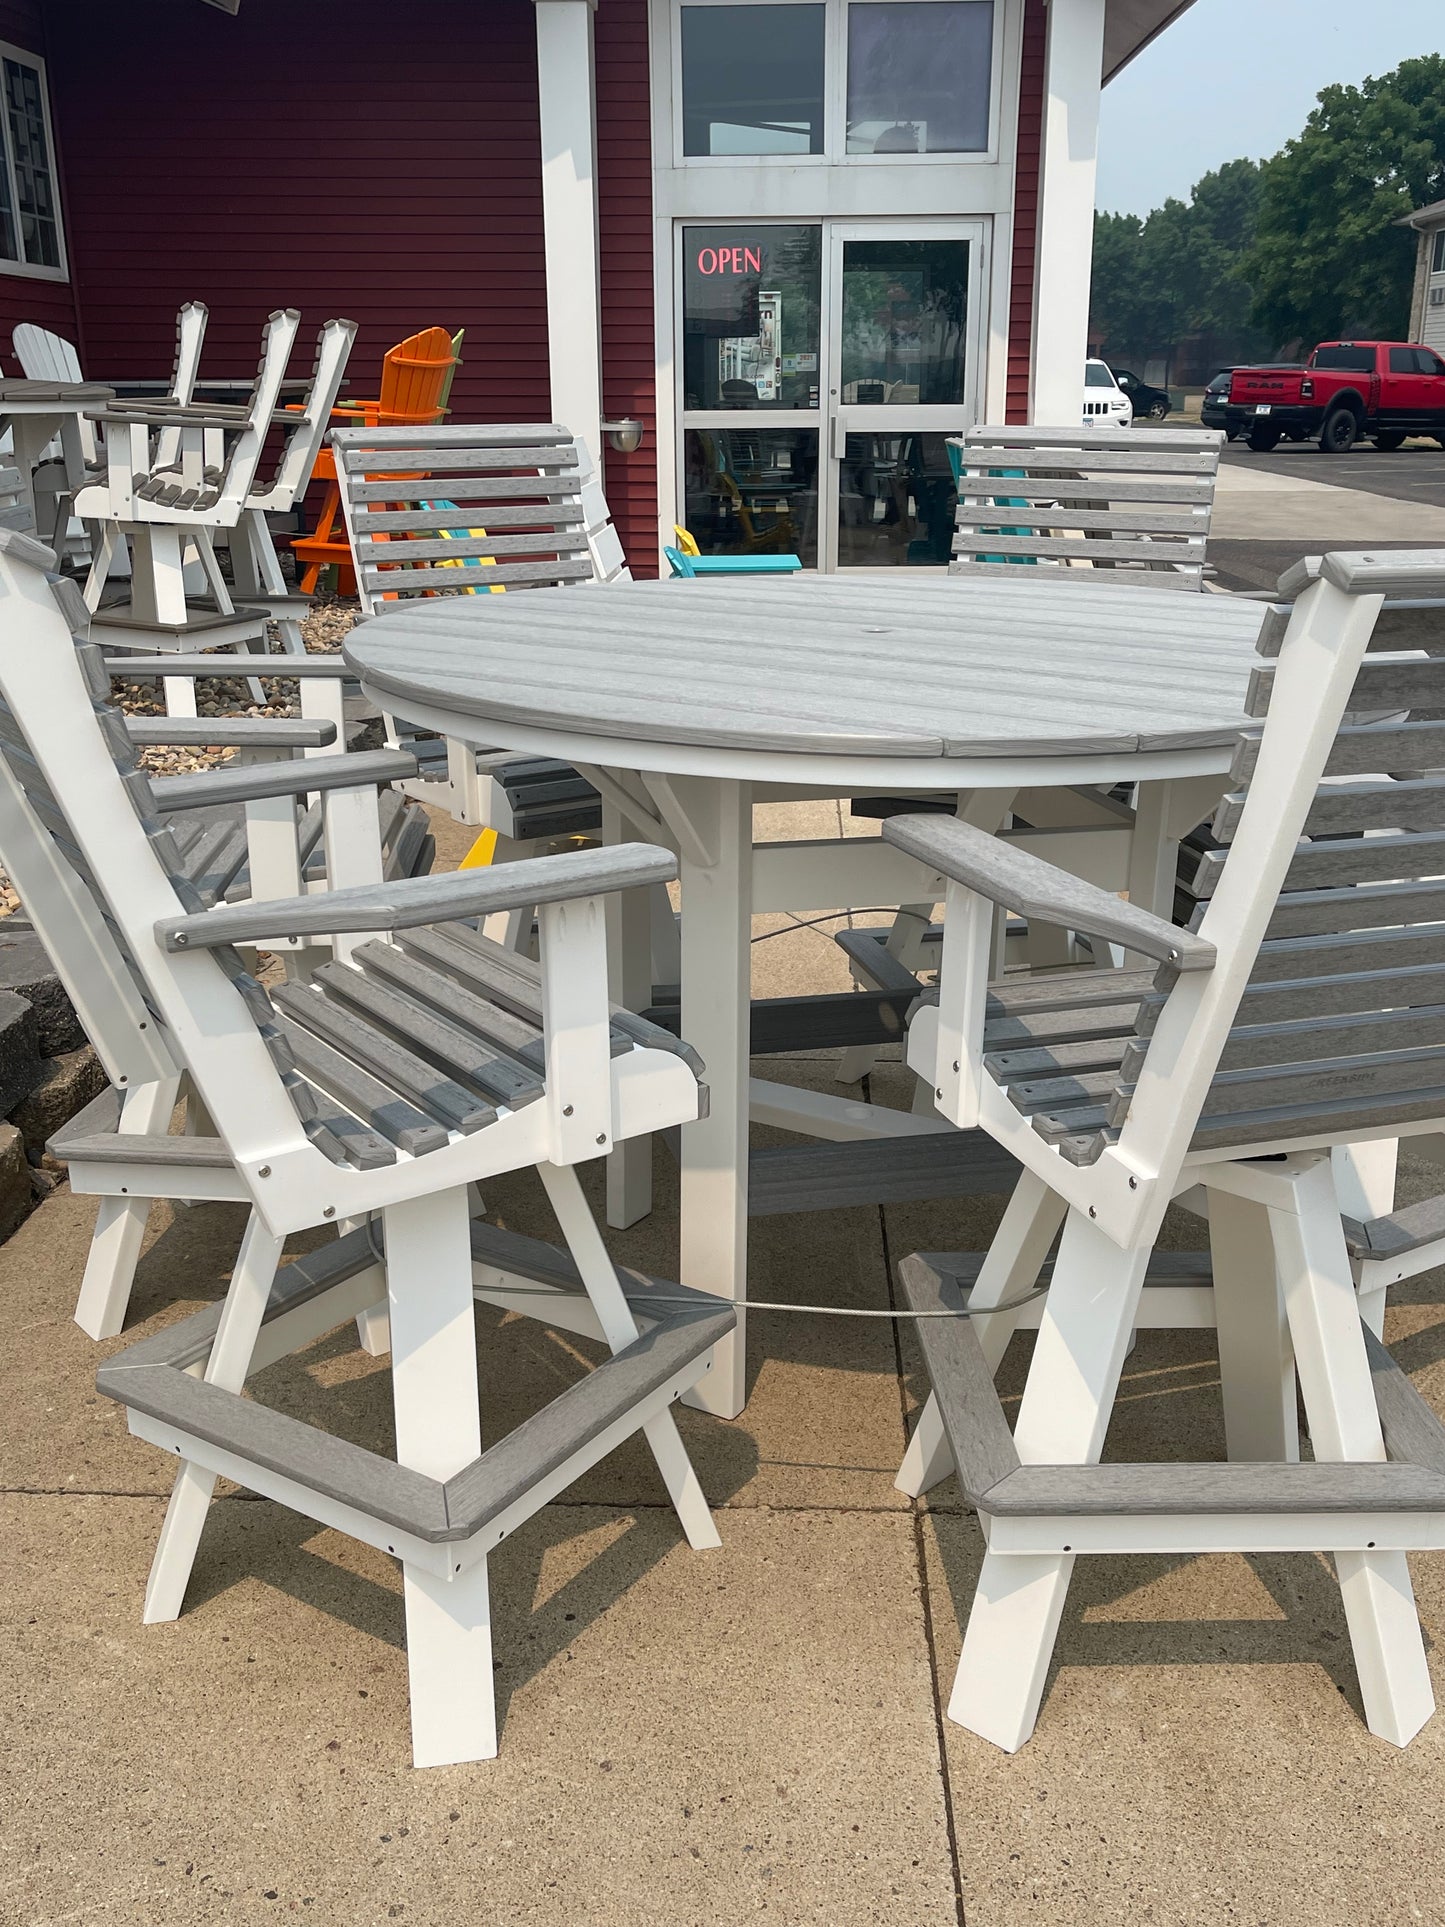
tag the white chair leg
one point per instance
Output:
(1012, 1627)
(619, 1327)
(905, 942)
(928, 1459)
(1011, 1267)
(121, 1222)
(1344, 1425)
(438, 1431)
(1065, 1412)
(1256, 1359)
(120, 1226)
(449, 1666)
(373, 1330)
(230, 1360)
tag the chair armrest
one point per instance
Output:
(410, 902)
(253, 781)
(234, 667)
(1009, 876)
(1387, 572)
(228, 732)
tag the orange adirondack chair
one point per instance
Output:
(415, 376)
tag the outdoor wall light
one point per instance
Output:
(625, 436)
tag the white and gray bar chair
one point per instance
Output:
(469, 511)
(1303, 1011)
(160, 507)
(420, 1062)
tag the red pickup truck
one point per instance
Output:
(1384, 389)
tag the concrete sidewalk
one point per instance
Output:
(687, 1739)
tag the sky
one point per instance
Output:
(1238, 78)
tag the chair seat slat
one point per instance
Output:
(472, 1060)
(386, 1060)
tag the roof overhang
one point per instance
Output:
(1425, 217)
(1129, 26)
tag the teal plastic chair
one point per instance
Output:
(714, 565)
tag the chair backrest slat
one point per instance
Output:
(1110, 505)
(44, 356)
(303, 442)
(471, 511)
(1341, 1015)
(81, 833)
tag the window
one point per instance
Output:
(835, 79)
(752, 80)
(1428, 362)
(1403, 362)
(1437, 260)
(30, 238)
(918, 76)
(1096, 375)
(750, 315)
(1346, 359)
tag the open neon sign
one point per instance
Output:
(729, 261)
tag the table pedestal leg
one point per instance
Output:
(714, 828)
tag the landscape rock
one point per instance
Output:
(67, 1084)
(19, 1050)
(27, 970)
(17, 1194)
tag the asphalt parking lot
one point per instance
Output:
(1414, 473)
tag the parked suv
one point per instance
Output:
(1213, 412)
(1153, 403)
(1105, 403)
(1383, 389)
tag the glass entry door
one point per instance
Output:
(903, 314)
(823, 366)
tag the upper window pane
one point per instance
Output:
(750, 316)
(1438, 264)
(919, 74)
(752, 80)
(30, 157)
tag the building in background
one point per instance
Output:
(1427, 309)
(800, 240)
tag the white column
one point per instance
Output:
(569, 215)
(1072, 84)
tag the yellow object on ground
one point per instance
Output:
(481, 852)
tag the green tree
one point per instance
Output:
(1328, 258)
(1179, 272)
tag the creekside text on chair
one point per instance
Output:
(424, 1062)
(1304, 1011)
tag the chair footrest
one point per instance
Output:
(874, 963)
(1400, 1232)
(300, 1465)
(997, 1484)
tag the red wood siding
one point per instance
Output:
(624, 196)
(371, 160)
(1026, 211)
(22, 297)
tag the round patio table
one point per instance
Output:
(687, 701)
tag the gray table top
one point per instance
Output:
(831, 665)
